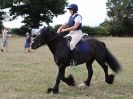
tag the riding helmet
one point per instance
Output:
(74, 7)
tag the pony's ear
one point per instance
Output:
(48, 27)
(44, 27)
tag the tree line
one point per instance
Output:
(36, 12)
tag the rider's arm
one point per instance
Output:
(76, 25)
(62, 27)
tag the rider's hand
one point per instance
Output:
(64, 30)
(59, 31)
(61, 28)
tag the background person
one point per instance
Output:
(5, 39)
(27, 43)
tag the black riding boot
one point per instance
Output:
(72, 61)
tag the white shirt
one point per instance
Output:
(77, 19)
(5, 34)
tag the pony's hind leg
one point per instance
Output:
(90, 73)
(108, 78)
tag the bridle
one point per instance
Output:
(51, 39)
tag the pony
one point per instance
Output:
(86, 51)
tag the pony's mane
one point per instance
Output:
(58, 34)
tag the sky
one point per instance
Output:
(93, 13)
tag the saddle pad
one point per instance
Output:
(82, 47)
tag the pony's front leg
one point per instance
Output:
(55, 89)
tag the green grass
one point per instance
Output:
(28, 75)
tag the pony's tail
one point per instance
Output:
(112, 62)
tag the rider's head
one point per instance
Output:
(73, 7)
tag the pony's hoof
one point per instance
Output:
(49, 90)
(55, 91)
(82, 86)
(70, 80)
(110, 79)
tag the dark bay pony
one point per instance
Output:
(92, 50)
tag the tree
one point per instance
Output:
(121, 15)
(1, 18)
(34, 12)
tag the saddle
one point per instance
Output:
(80, 49)
(84, 37)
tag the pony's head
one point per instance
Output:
(41, 38)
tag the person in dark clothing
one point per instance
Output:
(27, 43)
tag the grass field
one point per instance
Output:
(28, 75)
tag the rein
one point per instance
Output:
(54, 37)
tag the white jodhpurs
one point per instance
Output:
(76, 37)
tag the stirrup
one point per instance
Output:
(72, 62)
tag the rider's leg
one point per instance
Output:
(75, 38)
